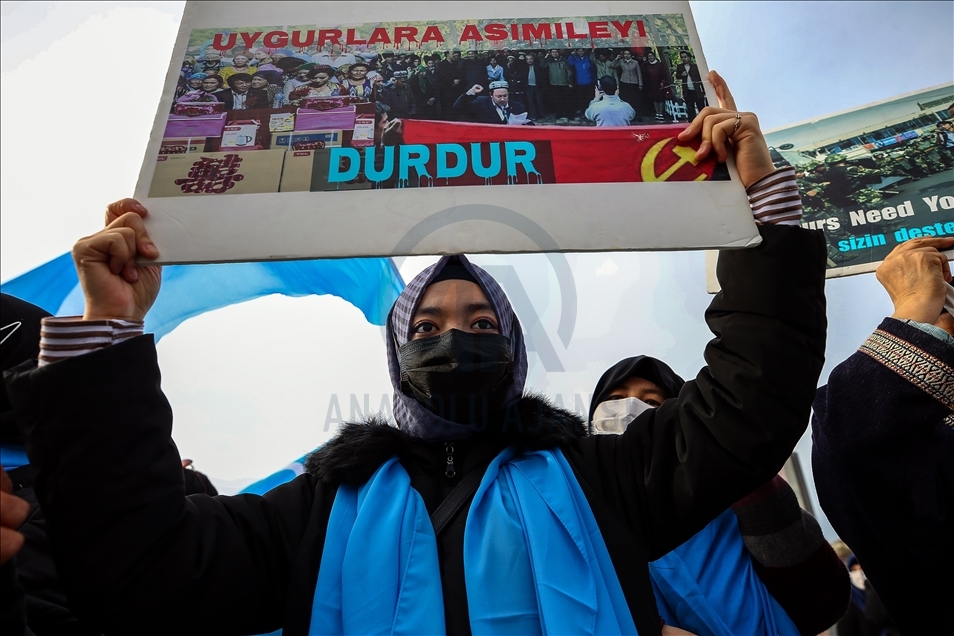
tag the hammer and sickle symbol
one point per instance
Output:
(685, 154)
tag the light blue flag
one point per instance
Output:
(283, 476)
(370, 284)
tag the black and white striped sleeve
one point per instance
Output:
(775, 199)
(68, 337)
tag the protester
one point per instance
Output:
(605, 66)
(399, 96)
(693, 92)
(297, 75)
(854, 622)
(209, 87)
(534, 86)
(495, 72)
(883, 443)
(761, 567)
(607, 109)
(387, 130)
(414, 66)
(473, 70)
(495, 109)
(189, 66)
(515, 74)
(357, 83)
(288, 65)
(584, 79)
(324, 58)
(264, 61)
(271, 83)
(193, 83)
(240, 64)
(427, 89)
(657, 84)
(630, 80)
(349, 545)
(389, 64)
(559, 95)
(450, 77)
(944, 138)
(211, 62)
(234, 97)
(320, 85)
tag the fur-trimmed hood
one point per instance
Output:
(360, 448)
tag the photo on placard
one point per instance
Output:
(433, 104)
(875, 176)
(334, 130)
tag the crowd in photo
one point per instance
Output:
(548, 86)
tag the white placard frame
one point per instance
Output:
(296, 225)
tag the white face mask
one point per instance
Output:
(612, 417)
(858, 578)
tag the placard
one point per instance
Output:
(875, 176)
(425, 128)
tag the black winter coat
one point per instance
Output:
(481, 109)
(883, 459)
(139, 556)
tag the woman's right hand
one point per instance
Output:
(114, 284)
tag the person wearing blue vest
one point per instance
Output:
(584, 79)
(485, 510)
(761, 568)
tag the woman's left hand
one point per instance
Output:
(724, 128)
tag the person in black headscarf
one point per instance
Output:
(484, 510)
(642, 378)
(768, 544)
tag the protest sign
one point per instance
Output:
(875, 176)
(297, 130)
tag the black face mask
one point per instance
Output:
(459, 376)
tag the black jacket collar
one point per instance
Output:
(360, 448)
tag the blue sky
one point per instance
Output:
(248, 397)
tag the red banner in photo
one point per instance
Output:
(585, 154)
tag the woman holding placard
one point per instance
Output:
(484, 511)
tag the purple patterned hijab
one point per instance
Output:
(410, 415)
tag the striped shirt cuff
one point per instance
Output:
(68, 337)
(775, 199)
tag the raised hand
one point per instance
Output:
(391, 135)
(114, 283)
(915, 275)
(725, 128)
